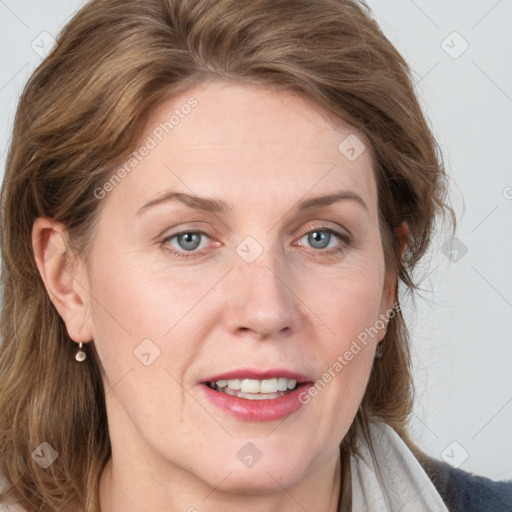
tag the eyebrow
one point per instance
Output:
(221, 207)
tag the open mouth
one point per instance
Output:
(252, 389)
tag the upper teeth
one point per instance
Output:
(258, 386)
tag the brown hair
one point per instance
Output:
(82, 112)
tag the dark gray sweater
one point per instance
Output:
(465, 492)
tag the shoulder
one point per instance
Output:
(466, 492)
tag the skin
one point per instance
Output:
(294, 307)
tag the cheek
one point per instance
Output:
(350, 306)
(126, 312)
(349, 301)
(136, 300)
(352, 316)
(143, 347)
(139, 298)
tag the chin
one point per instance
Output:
(259, 482)
(263, 477)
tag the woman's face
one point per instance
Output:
(184, 292)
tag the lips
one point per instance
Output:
(255, 395)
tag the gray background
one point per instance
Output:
(461, 53)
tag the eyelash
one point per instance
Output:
(346, 243)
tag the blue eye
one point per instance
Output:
(320, 238)
(187, 243)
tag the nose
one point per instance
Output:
(260, 300)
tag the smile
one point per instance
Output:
(253, 395)
(252, 389)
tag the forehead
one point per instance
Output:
(232, 139)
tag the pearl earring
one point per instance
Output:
(80, 356)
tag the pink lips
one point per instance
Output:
(257, 410)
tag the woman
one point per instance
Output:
(208, 207)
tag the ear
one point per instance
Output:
(64, 277)
(401, 233)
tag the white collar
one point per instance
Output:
(393, 480)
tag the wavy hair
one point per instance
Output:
(82, 112)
